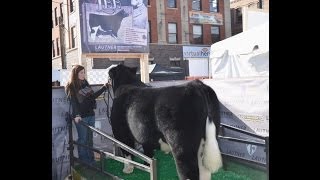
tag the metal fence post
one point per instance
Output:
(153, 172)
(267, 155)
(70, 148)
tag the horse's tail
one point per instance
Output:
(211, 154)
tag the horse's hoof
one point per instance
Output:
(164, 146)
(69, 177)
(127, 169)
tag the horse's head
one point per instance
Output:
(122, 75)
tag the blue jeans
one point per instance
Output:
(85, 136)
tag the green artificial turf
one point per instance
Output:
(167, 170)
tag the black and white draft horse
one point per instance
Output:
(186, 116)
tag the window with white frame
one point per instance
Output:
(55, 16)
(53, 50)
(61, 6)
(58, 48)
(172, 33)
(196, 5)
(151, 60)
(197, 34)
(175, 63)
(52, 20)
(213, 4)
(71, 6)
(172, 4)
(238, 16)
(215, 34)
(73, 37)
(149, 31)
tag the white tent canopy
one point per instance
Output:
(243, 55)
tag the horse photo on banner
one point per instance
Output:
(113, 26)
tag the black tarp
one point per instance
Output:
(161, 73)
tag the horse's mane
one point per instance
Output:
(139, 83)
(126, 76)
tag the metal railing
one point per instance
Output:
(152, 169)
(265, 142)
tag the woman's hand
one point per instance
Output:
(77, 119)
(107, 85)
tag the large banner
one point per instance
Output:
(245, 102)
(60, 135)
(206, 18)
(114, 26)
(196, 52)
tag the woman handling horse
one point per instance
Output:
(83, 103)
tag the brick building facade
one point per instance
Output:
(169, 30)
(236, 12)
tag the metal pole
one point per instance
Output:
(242, 131)
(209, 68)
(267, 155)
(122, 145)
(153, 171)
(70, 148)
(63, 47)
(102, 158)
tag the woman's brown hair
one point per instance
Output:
(74, 83)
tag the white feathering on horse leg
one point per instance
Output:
(211, 155)
(128, 168)
(204, 173)
(164, 146)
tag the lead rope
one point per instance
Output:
(108, 102)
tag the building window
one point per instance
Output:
(53, 50)
(52, 21)
(260, 6)
(215, 34)
(238, 16)
(149, 31)
(71, 6)
(172, 30)
(213, 4)
(55, 16)
(172, 4)
(151, 60)
(58, 48)
(61, 13)
(73, 37)
(197, 34)
(196, 5)
(175, 63)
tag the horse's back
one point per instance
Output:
(150, 110)
(181, 107)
